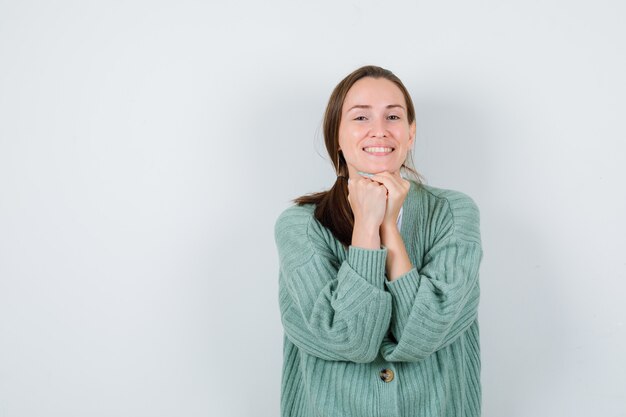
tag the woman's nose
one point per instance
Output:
(379, 129)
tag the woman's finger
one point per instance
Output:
(392, 183)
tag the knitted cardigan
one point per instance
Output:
(347, 328)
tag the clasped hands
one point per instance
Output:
(376, 202)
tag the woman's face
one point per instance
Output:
(374, 133)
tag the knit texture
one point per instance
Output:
(344, 322)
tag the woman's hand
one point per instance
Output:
(368, 200)
(398, 262)
(397, 190)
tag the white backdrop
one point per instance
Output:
(146, 149)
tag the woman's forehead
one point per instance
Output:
(374, 92)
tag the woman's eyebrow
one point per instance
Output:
(365, 106)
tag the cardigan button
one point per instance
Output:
(386, 375)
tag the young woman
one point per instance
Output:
(378, 283)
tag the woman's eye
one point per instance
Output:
(394, 117)
(360, 118)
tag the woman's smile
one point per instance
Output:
(378, 151)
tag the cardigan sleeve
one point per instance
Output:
(435, 305)
(331, 310)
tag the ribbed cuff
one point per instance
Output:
(369, 264)
(404, 288)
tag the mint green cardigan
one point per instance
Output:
(356, 344)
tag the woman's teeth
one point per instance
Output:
(377, 149)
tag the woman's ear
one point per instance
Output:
(412, 129)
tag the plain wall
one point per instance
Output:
(147, 147)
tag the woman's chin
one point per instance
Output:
(380, 168)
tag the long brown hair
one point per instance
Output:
(332, 206)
